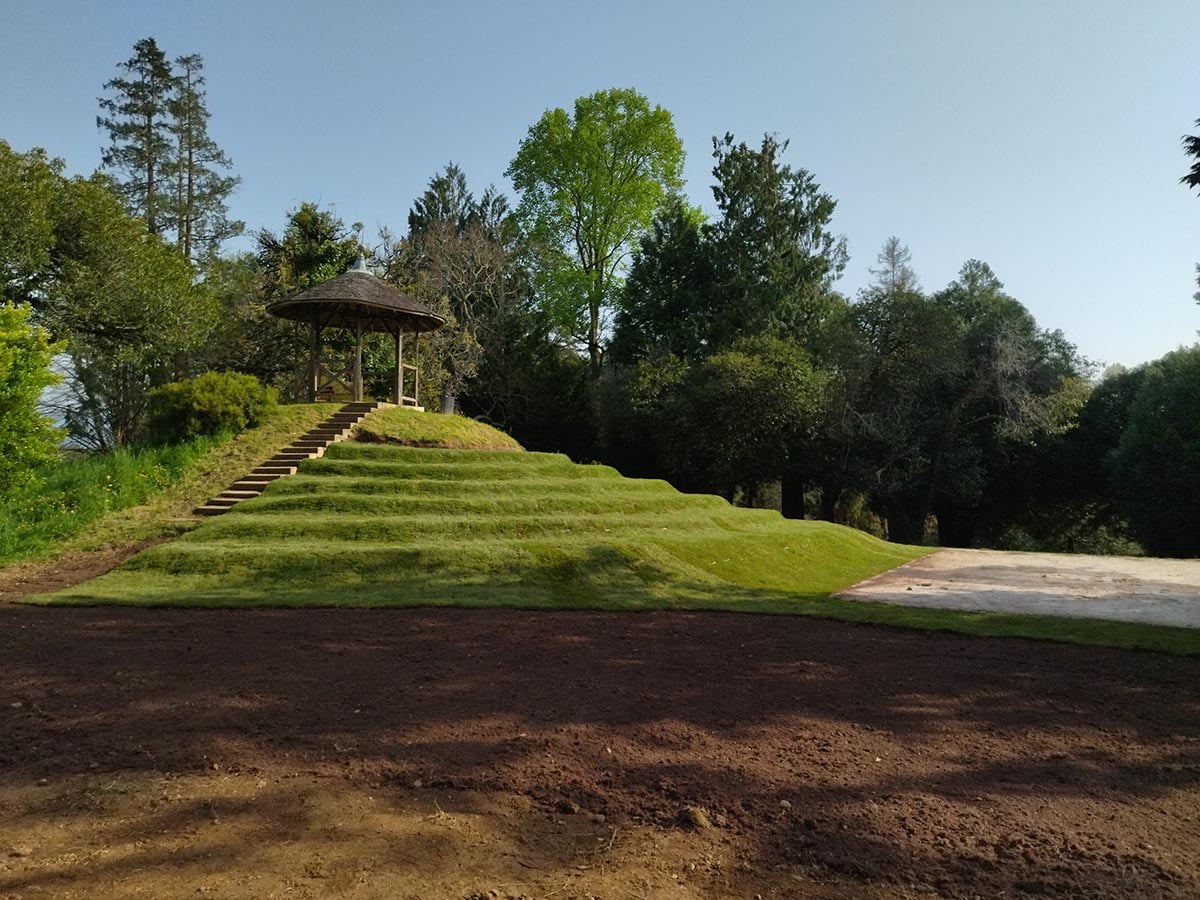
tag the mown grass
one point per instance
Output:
(410, 428)
(128, 496)
(379, 525)
(375, 524)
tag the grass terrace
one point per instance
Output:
(375, 524)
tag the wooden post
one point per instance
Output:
(399, 365)
(417, 371)
(357, 385)
(314, 362)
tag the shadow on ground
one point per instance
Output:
(874, 755)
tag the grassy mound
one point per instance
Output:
(410, 428)
(382, 525)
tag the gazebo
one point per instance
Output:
(358, 301)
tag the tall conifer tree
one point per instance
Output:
(137, 119)
(200, 213)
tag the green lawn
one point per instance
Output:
(376, 524)
(410, 428)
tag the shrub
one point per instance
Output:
(211, 403)
(28, 440)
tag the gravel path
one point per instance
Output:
(1152, 591)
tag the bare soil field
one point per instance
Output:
(1123, 588)
(507, 754)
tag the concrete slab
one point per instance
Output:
(1129, 589)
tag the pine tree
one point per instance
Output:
(200, 213)
(138, 125)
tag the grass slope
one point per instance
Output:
(130, 496)
(381, 525)
(410, 428)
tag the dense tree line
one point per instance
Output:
(602, 315)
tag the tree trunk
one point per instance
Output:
(151, 220)
(905, 522)
(956, 527)
(792, 497)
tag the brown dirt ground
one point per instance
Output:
(481, 754)
(45, 576)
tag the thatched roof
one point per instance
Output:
(358, 297)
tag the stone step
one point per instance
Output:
(276, 470)
(226, 502)
(249, 484)
(310, 445)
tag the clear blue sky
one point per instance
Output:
(1042, 137)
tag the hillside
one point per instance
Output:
(115, 501)
(373, 524)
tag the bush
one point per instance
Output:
(28, 440)
(209, 404)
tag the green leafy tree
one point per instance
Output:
(590, 183)
(730, 421)
(315, 246)
(777, 259)
(670, 297)
(29, 183)
(766, 266)
(199, 208)
(1156, 466)
(457, 259)
(127, 307)
(936, 397)
(245, 337)
(28, 439)
(137, 117)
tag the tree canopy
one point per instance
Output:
(590, 183)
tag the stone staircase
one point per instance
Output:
(308, 446)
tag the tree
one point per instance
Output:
(669, 299)
(138, 123)
(28, 439)
(1156, 467)
(199, 208)
(939, 399)
(29, 183)
(894, 272)
(125, 304)
(457, 259)
(777, 259)
(730, 421)
(1191, 147)
(314, 247)
(590, 184)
